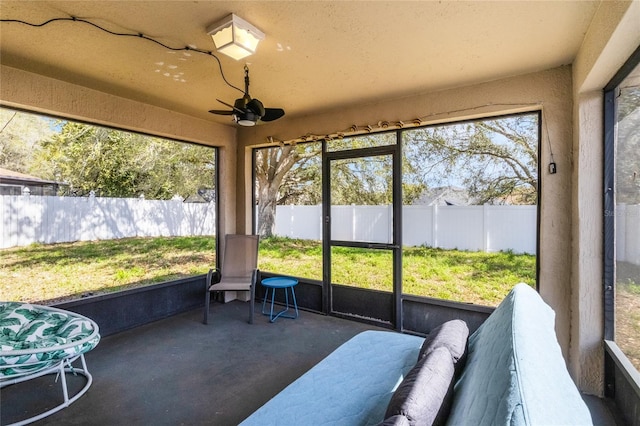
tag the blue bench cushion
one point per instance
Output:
(352, 386)
(515, 373)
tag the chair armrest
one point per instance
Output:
(213, 277)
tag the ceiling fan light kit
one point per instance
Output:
(247, 119)
(235, 37)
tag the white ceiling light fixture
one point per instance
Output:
(235, 37)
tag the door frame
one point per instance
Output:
(395, 246)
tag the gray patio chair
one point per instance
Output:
(239, 271)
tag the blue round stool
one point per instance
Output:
(276, 283)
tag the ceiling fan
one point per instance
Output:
(247, 111)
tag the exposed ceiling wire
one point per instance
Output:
(129, 34)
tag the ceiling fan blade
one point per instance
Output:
(271, 114)
(221, 112)
(233, 107)
(256, 107)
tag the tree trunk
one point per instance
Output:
(267, 201)
(272, 164)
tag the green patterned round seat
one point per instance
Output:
(36, 337)
(39, 340)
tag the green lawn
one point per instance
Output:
(62, 271)
(55, 272)
(473, 277)
(628, 319)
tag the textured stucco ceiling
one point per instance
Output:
(316, 56)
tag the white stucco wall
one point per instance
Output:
(612, 37)
(24, 90)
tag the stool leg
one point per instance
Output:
(295, 303)
(286, 299)
(264, 301)
(273, 296)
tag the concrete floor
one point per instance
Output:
(178, 371)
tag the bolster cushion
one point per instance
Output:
(452, 335)
(424, 396)
(397, 420)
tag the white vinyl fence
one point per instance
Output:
(628, 233)
(34, 219)
(484, 228)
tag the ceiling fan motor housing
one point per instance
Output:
(248, 118)
(247, 111)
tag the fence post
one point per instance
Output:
(485, 228)
(390, 238)
(354, 222)
(434, 225)
(291, 221)
(320, 221)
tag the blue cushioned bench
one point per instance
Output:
(514, 375)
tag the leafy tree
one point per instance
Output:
(115, 163)
(302, 184)
(362, 181)
(19, 134)
(369, 180)
(496, 161)
(292, 174)
(299, 164)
